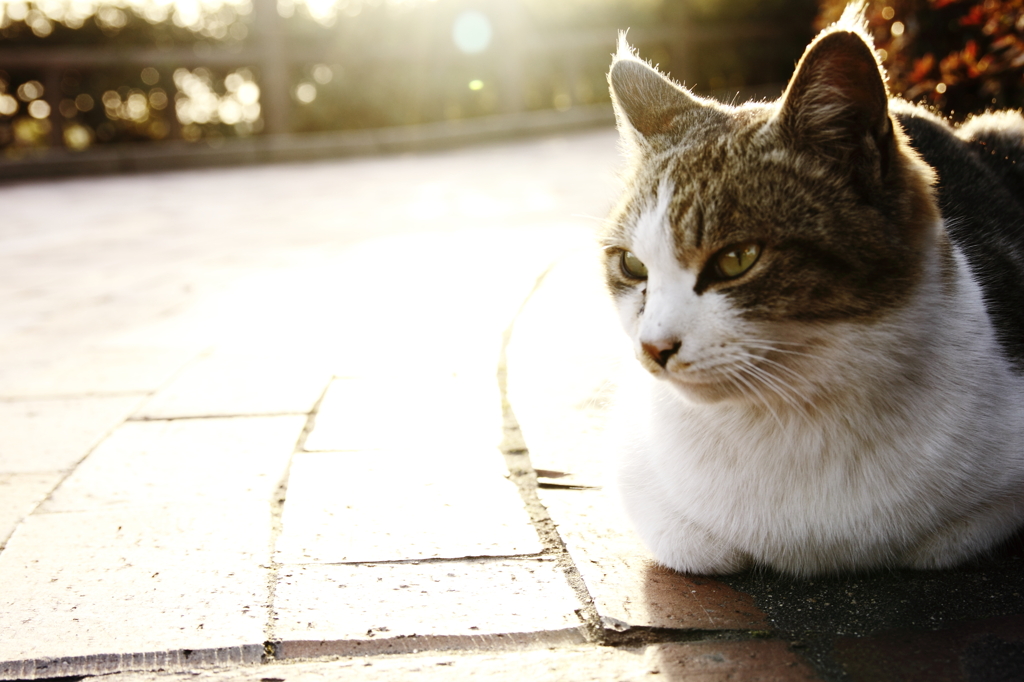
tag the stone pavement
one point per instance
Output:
(347, 420)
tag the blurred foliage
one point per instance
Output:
(354, 64)
(959, 56)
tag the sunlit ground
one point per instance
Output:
(244, 291)
(390, 262)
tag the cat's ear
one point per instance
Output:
(647, 104)
(837, 101)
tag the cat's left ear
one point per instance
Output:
(837, 101)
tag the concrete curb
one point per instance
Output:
(506, 641)
(178, 660)
(179, 155)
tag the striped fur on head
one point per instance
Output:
(823, 181)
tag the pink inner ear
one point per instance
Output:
(837, 85)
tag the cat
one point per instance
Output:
(828, 291)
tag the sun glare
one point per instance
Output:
(472, 32)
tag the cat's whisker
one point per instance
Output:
(727, 364)
(760, 358)
(765, 379)
(785, 391)
(596, 218)
(598, 400)
(776, 343)
(767, 386)
(792, 390)
(773, 349)
(737, 374)
(835, 360)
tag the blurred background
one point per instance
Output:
(93, 85)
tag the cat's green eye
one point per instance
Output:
(632, 266)
(734, 261)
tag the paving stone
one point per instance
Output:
(628, 588)
(77, 667)
(560, 395)
(19, 495)
(428, 413)
(157, 579)
(340, 610)
(989, 649)
(66, 369)
(576, 662)
(161, 543)
(226, 383)
(736, 661)
(181, 463)
(427, 502)
(53, 435)
(447, 312)
(710, 661)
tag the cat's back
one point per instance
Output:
(981, 195)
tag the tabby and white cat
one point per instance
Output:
(830, 291)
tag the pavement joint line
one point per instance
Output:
(73, 396)
(277, 502)
(143, 397)
(544, 485)
(66, 473)
(645, 635)
(217, 416)
(425, 644)
(428, 560)
(522, 473)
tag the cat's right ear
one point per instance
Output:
(648, 106)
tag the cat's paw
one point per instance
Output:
(724, 564)
(691, 549)
(936, 553)
(958, 540)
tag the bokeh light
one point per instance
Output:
(198, 102)
(30, 91)
(322, 74)
(305, 93)
(472, 32)
(77, 137)
(38, 109)
(8, 105)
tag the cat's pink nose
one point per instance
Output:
(660, 351)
